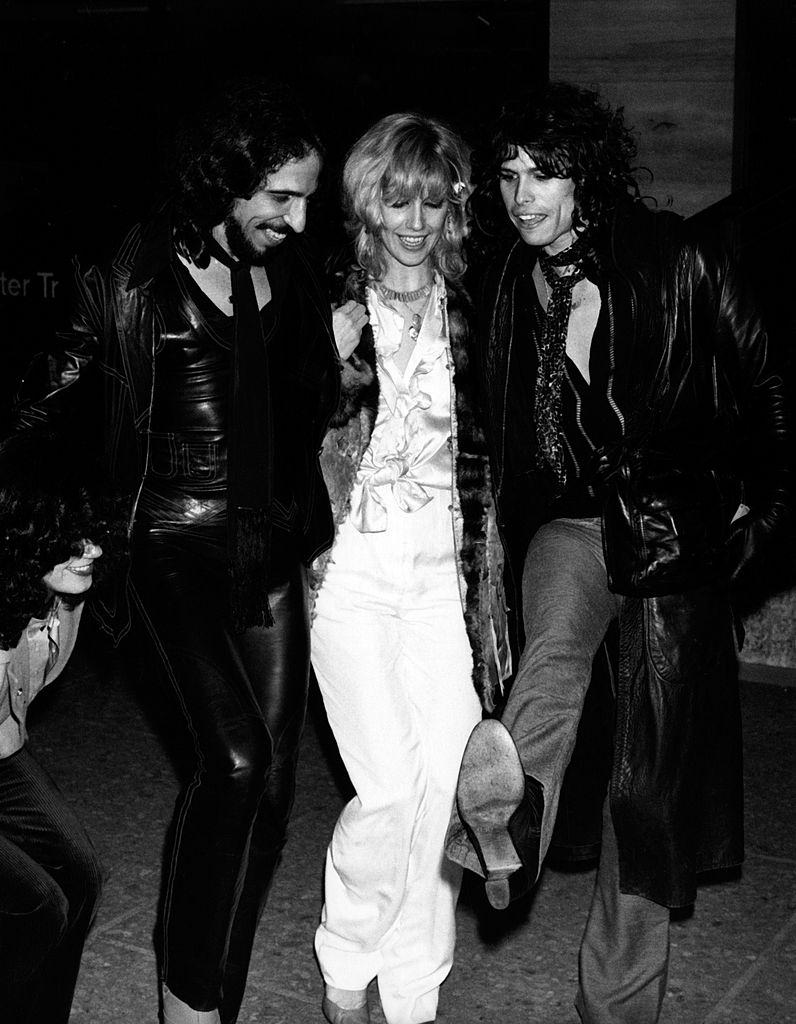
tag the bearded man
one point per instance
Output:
(212, 334)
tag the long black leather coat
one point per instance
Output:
(102, 380)
(698, 384)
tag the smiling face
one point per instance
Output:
(74, 576)
(410, 230)
(539, 207)
(259, 224)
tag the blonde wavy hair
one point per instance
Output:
(404, 156)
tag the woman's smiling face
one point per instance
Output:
(74, 576)
(411, 228)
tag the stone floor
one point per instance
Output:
(98, 731)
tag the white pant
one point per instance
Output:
(394, 666)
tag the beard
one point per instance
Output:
(242, 247)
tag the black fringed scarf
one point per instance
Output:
(250, 442)
(552, 351)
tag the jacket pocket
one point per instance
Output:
(200, 460)
(171, 457)
(163, 462)
(685, 633)
(665, 528)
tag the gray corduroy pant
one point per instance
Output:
(567, 609)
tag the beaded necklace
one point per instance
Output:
(413, 316)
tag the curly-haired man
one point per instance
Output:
(212, 333)
(640, 458)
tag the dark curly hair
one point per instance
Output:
(249, 130)
(51, 500)
(569, 133)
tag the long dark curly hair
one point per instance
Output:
(249, 130)
(51, 500)
(569, 132)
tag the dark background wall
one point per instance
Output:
(671, 64)
(92, 91)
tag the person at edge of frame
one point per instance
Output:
(211, 336)
(55, 520)
(639, 438)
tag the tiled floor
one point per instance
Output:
(733, 960)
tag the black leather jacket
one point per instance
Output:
(701, 387)
(102, 380)
(701, 383)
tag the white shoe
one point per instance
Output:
(344, 1006)
(175, 1011)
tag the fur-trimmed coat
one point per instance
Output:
(479, 554)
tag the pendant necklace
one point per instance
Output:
(414, 327)
(413, 316)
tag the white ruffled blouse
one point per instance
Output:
(410, 448)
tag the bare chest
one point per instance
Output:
(583, 316)
(215, 281)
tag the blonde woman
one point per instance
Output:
(402, 641)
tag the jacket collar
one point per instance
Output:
(155, 249)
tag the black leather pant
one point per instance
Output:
(243, 698)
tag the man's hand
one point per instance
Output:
(347, 323)
(750, 537)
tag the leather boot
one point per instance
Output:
(501, 810)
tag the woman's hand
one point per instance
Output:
(347, 323)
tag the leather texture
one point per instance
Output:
(242, 697)
(666, 526)
(699, 384)
(101, 382)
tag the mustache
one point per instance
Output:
(282, 229)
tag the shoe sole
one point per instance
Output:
(490, 789)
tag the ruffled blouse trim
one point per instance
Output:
(406, 400)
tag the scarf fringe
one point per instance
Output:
(249, 551)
